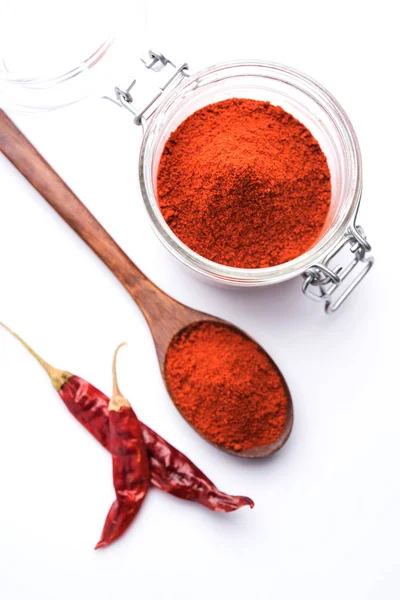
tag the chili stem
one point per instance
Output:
(117, 400)
(58, 377)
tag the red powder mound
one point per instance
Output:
(243, 183)
(226, 386)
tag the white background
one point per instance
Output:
(326, 522)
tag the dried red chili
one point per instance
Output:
(131, 472)
(171, 471)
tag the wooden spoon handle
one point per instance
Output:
(40, 174)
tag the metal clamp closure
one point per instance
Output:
(156, 63)
(322, 280)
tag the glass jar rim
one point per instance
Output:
(86, 64)
(332, 236)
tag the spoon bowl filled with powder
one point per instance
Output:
(228, 389)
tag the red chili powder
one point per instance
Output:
(226, 386)
(245, 184)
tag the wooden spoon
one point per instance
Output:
(164, 315)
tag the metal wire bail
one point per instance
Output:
(156, 62)
(322, 280)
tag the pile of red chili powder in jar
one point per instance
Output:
(244, 184)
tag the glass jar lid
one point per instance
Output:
(53, 54)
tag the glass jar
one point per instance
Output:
(311, 104)
(326, 275)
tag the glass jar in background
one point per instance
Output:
(53, 54)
